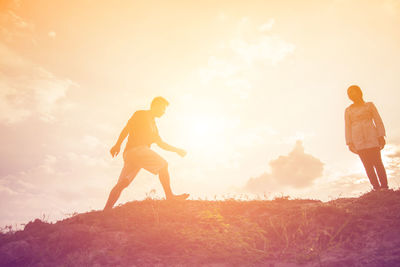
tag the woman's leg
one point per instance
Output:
(380, 169)
(367, 158)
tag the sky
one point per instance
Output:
(257, 93)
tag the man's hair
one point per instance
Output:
(159, 100)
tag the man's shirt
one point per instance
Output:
(142, 129)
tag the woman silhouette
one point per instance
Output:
(365, 136)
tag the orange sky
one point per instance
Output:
(246, 80)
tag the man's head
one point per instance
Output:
(158, 106)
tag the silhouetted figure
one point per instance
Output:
(365, 136)
(143, 132)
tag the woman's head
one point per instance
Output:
(355, 94)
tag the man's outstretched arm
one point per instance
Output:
(117, 147)
(168, 147)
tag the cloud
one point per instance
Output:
(64, 183)
(27, 89)
(394, 154)
(52, 34)
(262, 183)
(218, 68)
(296, 170)
(336, 186)
(13, 27)
(267, 26)
(266, 49)
(222, 16)
(28, 92)
(240, 87)
(59, 184)
(300, 175)
(353, 184)
(91, 142)
(251, 45)
(391, 158)
(391, 6)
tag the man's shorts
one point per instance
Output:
(139, 157)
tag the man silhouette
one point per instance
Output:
(143, 132)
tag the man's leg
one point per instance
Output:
(163, 175)
(123, 182)
(154, 163)
(165, 182)
(115, 193)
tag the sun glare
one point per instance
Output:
(205, 133)
(203, 128)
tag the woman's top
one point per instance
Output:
(364, 126)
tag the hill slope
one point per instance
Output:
(362, 231)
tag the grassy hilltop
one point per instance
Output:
(362, 231)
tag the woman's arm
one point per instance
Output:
(379, 126)
(378, 121)
(347, 123)
(348, 135)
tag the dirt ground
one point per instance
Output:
(363, 231)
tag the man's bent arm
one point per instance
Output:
(116, 148)
(122, 136)
(166, 146)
